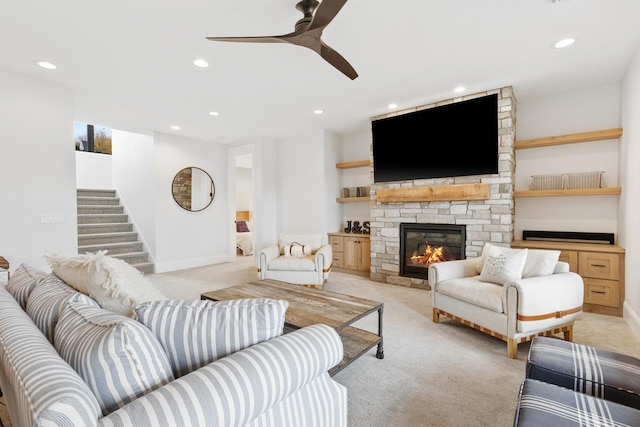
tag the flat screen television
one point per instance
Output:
(458, 139)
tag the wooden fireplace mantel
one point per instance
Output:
(477, 191)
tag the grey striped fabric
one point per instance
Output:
(46, 299)
(597, 372)
(543, 404)
(39, 387)
(118, 358)
(281, 382)
(196, 333)
(22, 282)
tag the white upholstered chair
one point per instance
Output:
(301, 259)
(544, 298)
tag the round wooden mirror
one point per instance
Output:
(193, 189)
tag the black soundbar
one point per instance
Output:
(572, 236)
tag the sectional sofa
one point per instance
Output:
(66, 360)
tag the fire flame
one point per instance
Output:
(430, 256)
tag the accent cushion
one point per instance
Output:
(114, 284)
(46, 300)
(44, 390)
(314, 240)
(196, 333)
(242, 227)
(283, 263)
(473, 291)
(543, 404)
(22, 282)
(501, 266)
(118, 358)
(297, 250)
(601, 373)
(540, 262)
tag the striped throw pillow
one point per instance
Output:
(118, 358)
(46, 299)
(196, 333)
(22, 282)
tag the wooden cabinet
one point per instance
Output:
(601, 267)
(351, 252)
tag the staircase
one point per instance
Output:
(103, 225)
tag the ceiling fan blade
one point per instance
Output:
(325, 13)
(335, 59)
(256, 39)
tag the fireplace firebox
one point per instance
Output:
(425, 244)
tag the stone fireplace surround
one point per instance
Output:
(488, 214)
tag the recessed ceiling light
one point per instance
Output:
(45, 64)
(318, 111)
(459, 89)
(201, 63)
(214, 113)
(564, 43)
(175, 127)
(392, 106)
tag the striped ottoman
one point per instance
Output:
(543, 404)
(596, 372)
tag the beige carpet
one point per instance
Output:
(432, 374)
(441, 374)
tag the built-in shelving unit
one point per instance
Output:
(350, 165)
(598, 135)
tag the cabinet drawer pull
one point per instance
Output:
(598, 265)
(598, 292)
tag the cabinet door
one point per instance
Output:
(352, 253)
(357, 253)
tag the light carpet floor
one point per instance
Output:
(432, 374)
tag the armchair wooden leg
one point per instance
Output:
(568, 334)
(436, 316)
(512, 349)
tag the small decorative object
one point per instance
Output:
(585, 179)
(553, 181)
(365, 228)
(345, 192)
(357, 228)
(347, 229)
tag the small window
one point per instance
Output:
(93, 139)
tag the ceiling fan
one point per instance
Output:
(308, 32)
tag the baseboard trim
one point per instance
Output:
(190, 263)
(632, 319)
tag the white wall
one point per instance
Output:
(630, 182)
(266, 221)
(133, 163)
(189, 239)
(307, 182)
(37, 169)
(94, 171)
(580, 111)
(356, 147)
(244, 189)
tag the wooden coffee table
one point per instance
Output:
(309, 306)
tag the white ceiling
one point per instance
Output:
(130, 63)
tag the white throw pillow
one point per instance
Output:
(114, 284)
(540, 262)
(119, 358)
(196, 333)
(502, 266)
(314, 240)
(297, 250)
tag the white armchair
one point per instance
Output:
(302, 259)
(514, 311)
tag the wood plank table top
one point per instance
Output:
(309, 306)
